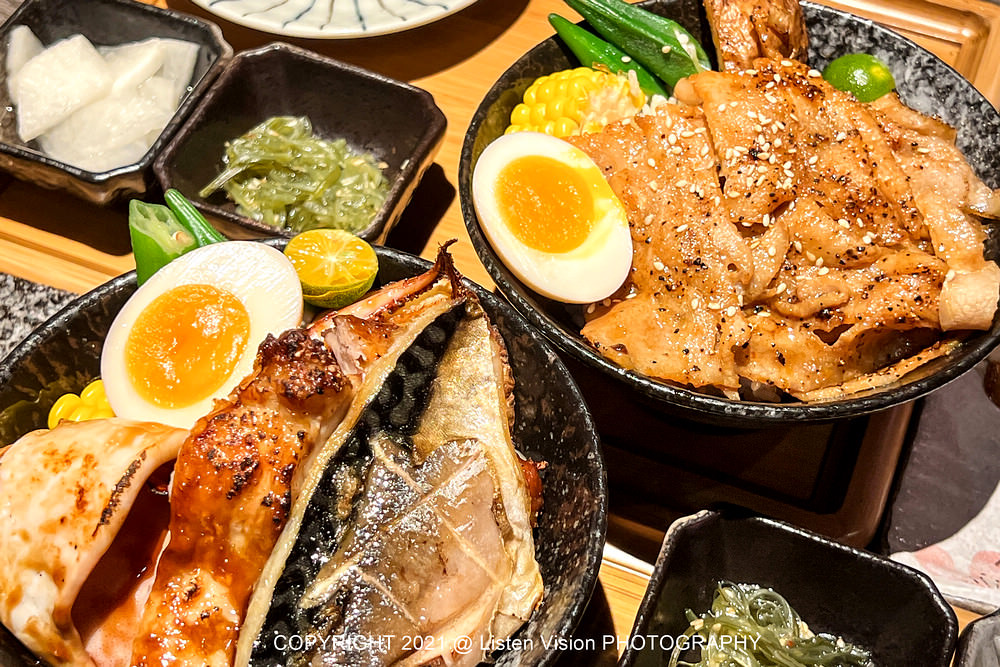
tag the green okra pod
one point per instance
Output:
(593, 51)
(663, 46)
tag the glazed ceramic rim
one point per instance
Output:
(730, 514)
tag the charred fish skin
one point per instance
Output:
(332, 508)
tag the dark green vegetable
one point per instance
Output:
(662, 45)
(192, 219)
(592, 51)
(281, 174)
(750, 626)
(157, 238)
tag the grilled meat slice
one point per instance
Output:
(844, 252)
(744, 30)
(679, 318)
(416, 522)
(236, 475)
(65, 494)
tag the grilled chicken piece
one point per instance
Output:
(744, 30)
(64, 495)
(236, 475)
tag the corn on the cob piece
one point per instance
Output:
(576, 101)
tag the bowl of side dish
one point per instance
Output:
(923, 81)
(165, 60)
(881, 608)
(551, 423)
(391, 126)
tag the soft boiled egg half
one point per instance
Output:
(190, 334)
(552, 217)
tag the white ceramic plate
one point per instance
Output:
(332, 19)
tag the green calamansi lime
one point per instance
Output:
(863, 75)
(336, 268)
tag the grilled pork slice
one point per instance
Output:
(744, 30)
(413, 532)
(680, 318)
(827, 250)
(65, 494)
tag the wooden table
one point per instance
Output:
(55, 239)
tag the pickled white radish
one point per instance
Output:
(179, 61)
(61, 79)
(22, 46)
(112, 131)
(133, 63)
(97, 108)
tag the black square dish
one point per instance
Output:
(104, 23)
(893, 611)
(397, 123)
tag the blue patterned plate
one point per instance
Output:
(332, 19)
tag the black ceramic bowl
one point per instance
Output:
(104, 23)
(552, 425)
(979, 645)
(924, 82)
(894, 611)
(394, 121)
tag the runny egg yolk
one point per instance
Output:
(546, 203)
(185, 344)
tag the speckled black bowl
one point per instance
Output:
(979, 645)
(104, 23)
(397, 123)
(924, 82)
(552, 424)
(892, 610)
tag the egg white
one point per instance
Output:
(590, 272)
(259, 276)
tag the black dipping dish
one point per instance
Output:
(104, 23)
(924, 82)
(979, 645)
(892, 610)
(397, 123)
(553, 425)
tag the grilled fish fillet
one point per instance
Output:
(236, 475)
(415, 523)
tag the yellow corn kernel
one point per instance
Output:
(574, 101)
(92, 403)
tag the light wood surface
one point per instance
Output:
(54, 239)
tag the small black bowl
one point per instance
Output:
(892, 610)
(924, 82)
(397, 123)
(552, 424)
(106, 23)
(979, 645)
